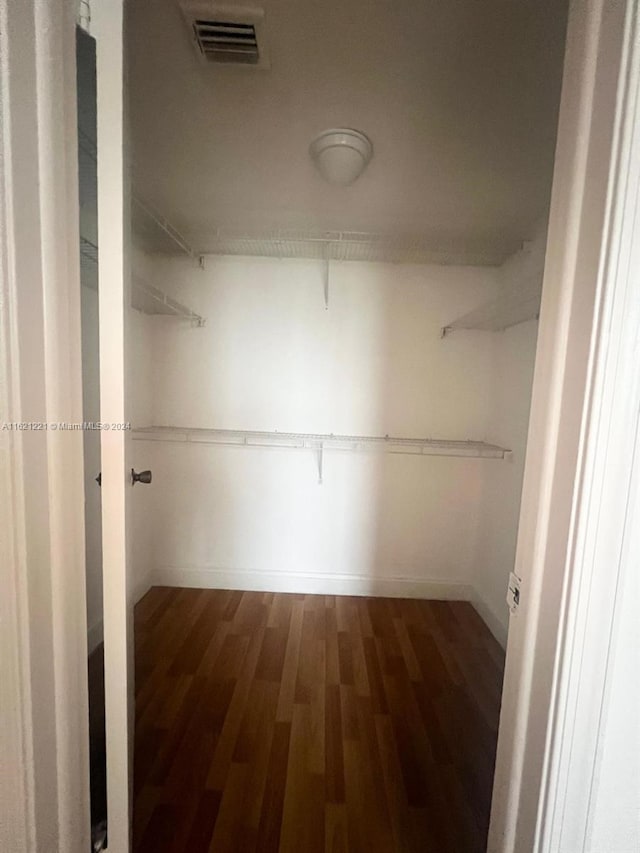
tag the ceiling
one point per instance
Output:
(460, 99)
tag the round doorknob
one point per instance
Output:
(140, 477)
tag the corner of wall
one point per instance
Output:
(514, 359)
(141, 586)
(497, 624)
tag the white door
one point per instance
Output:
(107, 28)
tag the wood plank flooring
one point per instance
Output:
(312, 724)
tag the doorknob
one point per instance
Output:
(140, 477)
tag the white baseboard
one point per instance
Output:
(310, 582)
(498, 626)
(142, 586)
(317, 583)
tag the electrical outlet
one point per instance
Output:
(513, 592)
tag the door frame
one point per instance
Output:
(44, 721)
(584, 356)
(577, 494)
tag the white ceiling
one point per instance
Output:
(459, 97)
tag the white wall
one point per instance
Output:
(271, 357)
(513, 362)
(514, 356)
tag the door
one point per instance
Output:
(89, 261)
(116, 491)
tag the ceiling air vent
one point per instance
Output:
(227, 41)
(230, 33)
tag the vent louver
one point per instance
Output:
(226, 41)
(230, 32)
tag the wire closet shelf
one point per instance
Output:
(321, 441)
(151, 300)
(144, 297)
(345, 246)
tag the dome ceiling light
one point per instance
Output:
(341, 155)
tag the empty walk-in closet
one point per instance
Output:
(336, 219)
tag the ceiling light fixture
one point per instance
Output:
(341, 155)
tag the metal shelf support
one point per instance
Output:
(327, 271)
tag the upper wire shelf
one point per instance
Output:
(167, 229)
(350, 246)
(87, 146)
(151, 300)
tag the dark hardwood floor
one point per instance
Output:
(312, 724)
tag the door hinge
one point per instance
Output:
(513, 592)
(83, 19)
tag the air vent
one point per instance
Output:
(225, 41)
(229, 32)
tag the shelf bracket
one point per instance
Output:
(320, 463)
(327, 263)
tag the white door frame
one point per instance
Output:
(575, 490)
(44, 783)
